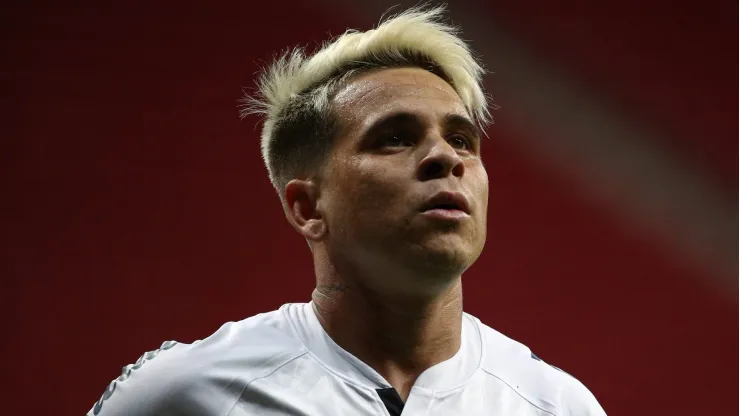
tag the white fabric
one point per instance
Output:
(284, 363)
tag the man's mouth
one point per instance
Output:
(447, 201)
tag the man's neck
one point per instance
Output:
(398, 336)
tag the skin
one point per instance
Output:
(389, 277)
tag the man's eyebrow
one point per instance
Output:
(403, 117)
(399, 117)
(464, 122)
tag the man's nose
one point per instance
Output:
(440, 161)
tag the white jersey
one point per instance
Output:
(284, 363)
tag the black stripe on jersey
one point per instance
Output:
(540, 359)
(392, 400)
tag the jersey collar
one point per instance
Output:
(446, 375)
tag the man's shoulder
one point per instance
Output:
(201, 374)
(255, 338)
(251, 345)
(543, 385)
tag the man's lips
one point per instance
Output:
(445, 214)
(447, 201)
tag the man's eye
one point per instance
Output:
(396, 141)
(460, 142)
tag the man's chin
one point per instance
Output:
(444, 261)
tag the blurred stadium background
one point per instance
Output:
(137, 209)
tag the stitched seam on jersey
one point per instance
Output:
(319, 361)
(478, 366)
(439, 393)
(480, 342)
(226, 388)
(337, 374)
(517, 392)
(269, 373)
(293, 329)
(429, 404)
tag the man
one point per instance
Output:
(374, 147)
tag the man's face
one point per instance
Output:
(404, 137)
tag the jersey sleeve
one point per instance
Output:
(579, 401)
(151, 386)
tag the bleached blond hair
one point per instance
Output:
(295, 91)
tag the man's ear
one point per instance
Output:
(302, 200)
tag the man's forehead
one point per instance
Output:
(395, 83)
(392, 90)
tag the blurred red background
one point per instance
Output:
(138, 210)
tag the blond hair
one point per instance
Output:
(295, 91)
